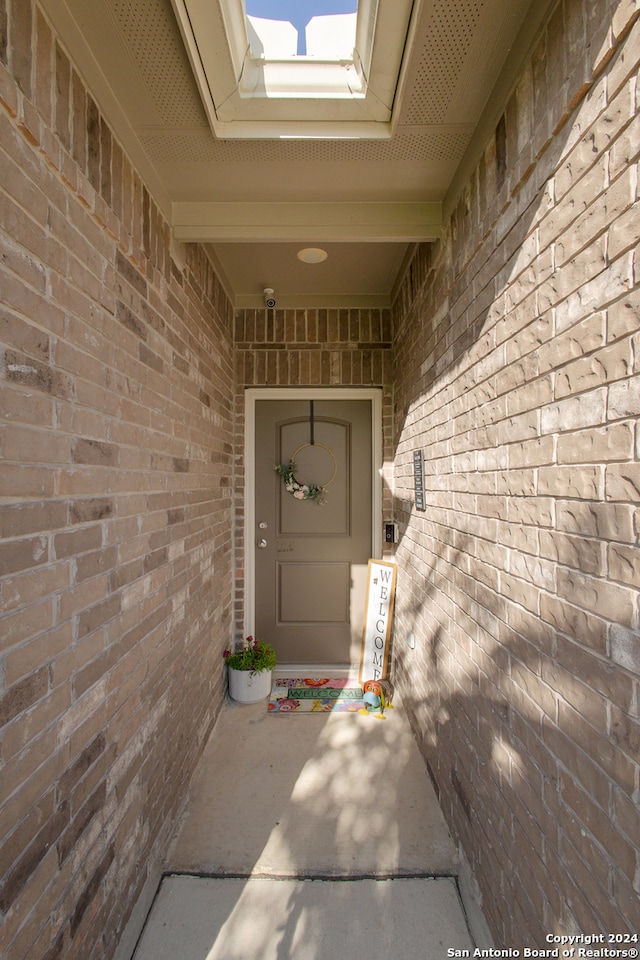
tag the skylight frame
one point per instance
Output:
(251, 97)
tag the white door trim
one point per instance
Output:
(252, 394)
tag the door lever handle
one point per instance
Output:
(262, 544)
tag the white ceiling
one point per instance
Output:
(256, 201)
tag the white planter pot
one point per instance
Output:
(248, 687)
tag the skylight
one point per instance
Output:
(296, 68)
(284, 29)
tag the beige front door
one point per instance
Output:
(310, 559)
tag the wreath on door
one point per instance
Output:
(305, 491)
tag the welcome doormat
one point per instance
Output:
(314, 695)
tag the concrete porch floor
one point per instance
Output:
(279, 801)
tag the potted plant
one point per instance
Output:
(249, 669)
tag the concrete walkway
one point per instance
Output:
(308, 836)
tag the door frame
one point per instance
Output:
(253, 394)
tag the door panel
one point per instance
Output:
(311, 592)
(311, 560)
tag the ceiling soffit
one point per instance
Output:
(246, 198)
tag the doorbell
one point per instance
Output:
(391, 533)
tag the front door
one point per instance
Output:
(311, 559)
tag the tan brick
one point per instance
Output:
(597, 742)
(94, 452)
(35, 652)
(534, 570)
(582, 339)
(24, 694)
(25, 445)
(27, 249)
(89, 620)
(39, 718)
(597, 596)
(625, 14)
(78, 482)
(577, 763)
(76, 717)
(626, 902)
(578, 695)
(22, 407)
(625, 649)
(583, 483)
(566, 618)
(532, 685)
(624, 564)
(612, 363)
(77, 541)
(576, 552)
(596, 671)
(22, 554)
(28, 828)
(30, 373)
(573, 274)
(604, 212)
(624, 316)
(581, 178)
(81, 596)
(625, 148)
(24, 336)
(93, 508)
(36, 616)
(622, 236)
(21, 519)
(625, 813)
(527, 397)
(593, 897)
(622, 482)
(532, 453)
(625, 731)
(532, 510)
(624, 398)
(613, 283)
(521, 592)
(614, 442)
(624, 64)
(602, 520)
(97, 563)
(575, 413)
(69, 663)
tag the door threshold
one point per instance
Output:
(316, 670)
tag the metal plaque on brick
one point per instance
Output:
(418, 478)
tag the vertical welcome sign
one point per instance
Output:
(378, 619)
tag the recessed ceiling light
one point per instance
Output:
(312, 255)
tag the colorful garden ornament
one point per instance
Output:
(377, 695)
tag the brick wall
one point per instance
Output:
(518, 375)
(310, 348)
(116, 387)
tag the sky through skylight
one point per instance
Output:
(299, 13)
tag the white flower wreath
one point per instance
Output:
(301, 491)
(306, 491)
